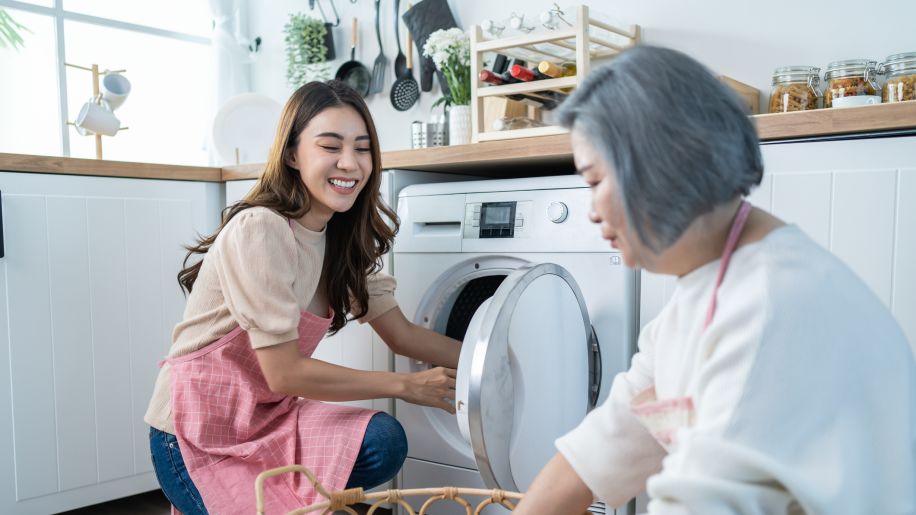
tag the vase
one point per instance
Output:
(459, 125)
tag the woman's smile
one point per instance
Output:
(343, 186)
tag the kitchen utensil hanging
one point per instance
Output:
(405, 91)
(353, 72)
(381, 62)
(422, 20)
(400, 62)
(329, 27)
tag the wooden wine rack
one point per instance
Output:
(582, 38)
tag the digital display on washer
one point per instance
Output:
(497, 220)
(497, 215)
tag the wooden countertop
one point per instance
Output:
(545, 155)
(103, 168)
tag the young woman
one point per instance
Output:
(298, 256)
(774, 381)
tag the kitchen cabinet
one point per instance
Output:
(853, 197)
(88, 300)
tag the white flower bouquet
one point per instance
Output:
(450, 51)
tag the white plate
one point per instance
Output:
(246, 122)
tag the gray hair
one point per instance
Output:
(679, 140)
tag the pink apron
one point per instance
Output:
(231, 427)
(664, 417)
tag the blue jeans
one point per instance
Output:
(380, 457)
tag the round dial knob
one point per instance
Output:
(557, 212)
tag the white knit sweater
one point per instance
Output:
(803, 388)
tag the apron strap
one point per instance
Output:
(733, 235)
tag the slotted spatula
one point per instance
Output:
(381, 62)
(405, 91)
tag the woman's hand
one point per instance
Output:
(431, 388)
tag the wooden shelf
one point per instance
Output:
(536, 155)
(527, 40)
(103, 168)
(527, 87)
(524, 157)
(587, 38)
(240, 172)
(544, 151)
(832, 122)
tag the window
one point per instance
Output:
(162, 45)
(29, 101)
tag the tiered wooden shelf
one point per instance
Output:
(580, 40)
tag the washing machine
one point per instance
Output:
(547, 313)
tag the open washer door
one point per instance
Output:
(526, 374)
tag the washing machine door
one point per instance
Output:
(523, 375)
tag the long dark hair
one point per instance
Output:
(356, 239)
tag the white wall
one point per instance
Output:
(742, 39)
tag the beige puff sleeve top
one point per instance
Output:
(260, 274)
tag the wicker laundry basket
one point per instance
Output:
(343, 500)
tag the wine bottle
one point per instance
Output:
(491, 78)
(521, 73)
(555, 71)
(500, 64)
(537, 101)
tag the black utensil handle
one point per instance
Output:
(378, 30)
(1, 225)
(397, 23)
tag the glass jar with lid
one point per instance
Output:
(851, 83)
(900, 84)
(794, 89)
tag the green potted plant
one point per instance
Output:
(450, 51)
(9, 31)
(306, 51)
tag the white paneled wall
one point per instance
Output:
(855, 198)
(108, 304)
(862, 225)
(88, 299)
(71, 335)
(804, 198)
(903, 288)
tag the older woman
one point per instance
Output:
(774, 381)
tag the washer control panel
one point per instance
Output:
(497, 219)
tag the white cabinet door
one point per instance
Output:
(853, 197)
(88, 300)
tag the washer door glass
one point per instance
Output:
(523, 374)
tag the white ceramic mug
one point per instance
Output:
(97, 119)
(115, 88)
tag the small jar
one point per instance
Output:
(900, 85)
(794, 89)
(851, 83)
